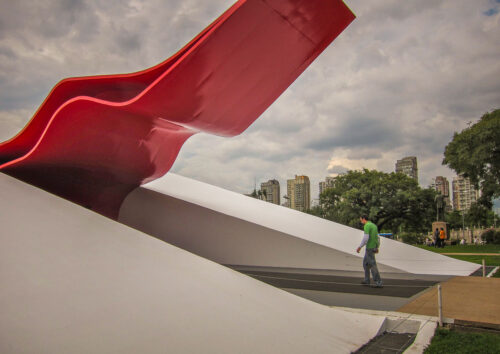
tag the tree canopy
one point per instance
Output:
(475, 153)
(258, 194)
(389, 199)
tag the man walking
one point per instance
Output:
(372, 242)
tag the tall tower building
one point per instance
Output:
(299, 193)
(408, 166)
(271, 191)
(327, 183)
(441, 185)
(464, 193)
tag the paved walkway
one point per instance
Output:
(471, 299)
(340, 284)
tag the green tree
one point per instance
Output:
(316, 210)
(389, 199)
(454, 219)
(479, 215)
(258, 194)
(491, 236)
(475, 153)
(412, 238)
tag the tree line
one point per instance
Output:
(395, 202)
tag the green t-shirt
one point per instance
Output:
(371, 229)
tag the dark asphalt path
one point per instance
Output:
(331, 283)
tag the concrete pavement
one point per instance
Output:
(470, 299)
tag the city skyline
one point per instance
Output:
(438, 183)
(399, 81)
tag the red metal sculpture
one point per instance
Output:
(94, 139)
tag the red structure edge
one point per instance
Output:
(94, 139)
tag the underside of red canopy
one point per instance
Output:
(94, 139)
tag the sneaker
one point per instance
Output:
(367, 283)
(377, 285)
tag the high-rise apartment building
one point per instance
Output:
(408, 166)
(271, 191)
(441, 185)
(327, 183)
(464, 193)
(299, 193)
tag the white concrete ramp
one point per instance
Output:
(72, 281)
(231, 228)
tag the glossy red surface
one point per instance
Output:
(94, 139)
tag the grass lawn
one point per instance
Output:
(489, 260)
(451, 341)
(464, 249)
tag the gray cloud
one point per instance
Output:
(356, 133)
(7, 52)
(336, 169)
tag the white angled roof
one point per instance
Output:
(73, 281)
(231, 228)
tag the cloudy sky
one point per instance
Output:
(399, 81)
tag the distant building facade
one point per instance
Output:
(299, 193)
(327, 183)
(408, 166)
(271, 191)
(464, 193)
(442, 186)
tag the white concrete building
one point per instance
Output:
(76, 282)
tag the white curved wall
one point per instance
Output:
(231, 228)
(227, 239)
(76, 282)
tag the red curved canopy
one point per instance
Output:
(94, 139)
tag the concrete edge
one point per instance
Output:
(423, 338)
(490, 274)
(423, 326)
(485, 325)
